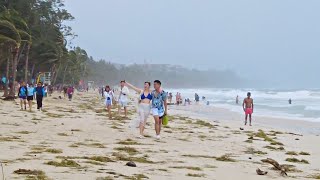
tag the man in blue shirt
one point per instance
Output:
(40, 93)
(159, 106)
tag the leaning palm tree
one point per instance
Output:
(14, 30)
(10, 37)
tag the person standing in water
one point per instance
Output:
(31, 91)
(290, 101)
(108, 94)
(248, 108)
(39, 95)
(159, 106)
(196, 98)
(144, 104)
(237, 99)
(22, 94)
(123, 98)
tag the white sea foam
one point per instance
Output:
(305, 103)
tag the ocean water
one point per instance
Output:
(268, 102)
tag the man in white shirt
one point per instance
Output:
(123, 97)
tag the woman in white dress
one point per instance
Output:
(144, 104)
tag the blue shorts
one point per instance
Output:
(23, 97)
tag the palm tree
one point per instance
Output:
(10, 37)
(13, 31)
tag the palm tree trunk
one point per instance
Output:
(5, 94)
(64, 74)
(27, 63)
(32, 70)
(56, 74)
(14, 72)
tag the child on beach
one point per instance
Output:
(22, 93)
(108, 94)
(30, 94)
(248, 108)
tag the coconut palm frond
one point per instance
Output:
(25, 36)
(47, 54)
(9, 30)
(5, 39)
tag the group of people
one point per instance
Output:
(27, 93)
(154, 101)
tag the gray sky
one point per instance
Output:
(274, 41)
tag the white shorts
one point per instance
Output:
(144, 112)
(123, 103)
(157, 112)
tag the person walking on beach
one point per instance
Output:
(31, 91)
(123, 98)
(170, 98)
(22, 94)
(70, 92)
(65, 90)
(177, 98)
(39, 95)
(144, 104)
(108, 94)
(159, 106)
(102, 92)
(248, 108)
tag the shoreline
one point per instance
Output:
(209, 112)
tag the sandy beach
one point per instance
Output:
(76, 140)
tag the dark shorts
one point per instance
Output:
(30, 98)
(23, 97)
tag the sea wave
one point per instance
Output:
(270, 102)
(312, 108)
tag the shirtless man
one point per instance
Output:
(248, 107)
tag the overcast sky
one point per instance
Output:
(274, 41)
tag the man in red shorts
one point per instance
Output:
(248, 107)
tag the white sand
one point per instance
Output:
(183, 136)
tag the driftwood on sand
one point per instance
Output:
(276, 165)
(260, 172)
